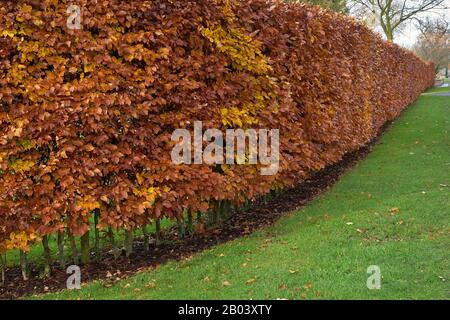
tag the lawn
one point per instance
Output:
(436, 90)
(392, 210)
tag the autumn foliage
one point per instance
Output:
(86, 116)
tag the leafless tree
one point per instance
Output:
(433, 44)
(391, 15)
(334, 5)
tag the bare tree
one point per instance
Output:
(433, 26)
(334, 5)
(433, 42)
(392, 14)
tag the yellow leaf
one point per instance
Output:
(8, 33)
(21, 166)
(26, 8)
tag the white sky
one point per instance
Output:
(410, 33)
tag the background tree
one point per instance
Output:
(433, 42)
(391, 15)
(334, 5)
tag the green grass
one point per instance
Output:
(436, 90)
(323, 250)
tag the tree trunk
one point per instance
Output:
(246, 205)
(112, 240)
(85, 249)
(388, 29)
(47, 256)
(213, 215)
(73, 246)
(97, 235)
(386, 26)
(190, 224)
(181, 228)
(146, 238)
(24, 265)
(2, 269)
(158, 231)
(60, 241)
(128, 242)
(389, 35)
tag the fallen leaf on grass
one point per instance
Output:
(226, 283)
(282, 286)
(308, 286)
(250, 281)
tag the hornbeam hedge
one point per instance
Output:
(86, 116)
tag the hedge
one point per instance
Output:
(86, 116)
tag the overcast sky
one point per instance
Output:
(410, 33)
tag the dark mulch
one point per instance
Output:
(258, 216)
